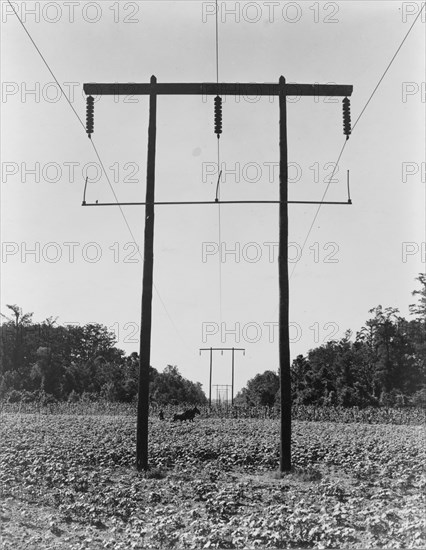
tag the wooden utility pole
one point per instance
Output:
(282, 90)
(211, 367)
(147, 283)
(284, 336)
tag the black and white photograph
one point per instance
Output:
(213, 287)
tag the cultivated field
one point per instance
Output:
(68, 482)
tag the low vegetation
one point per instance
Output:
(69, 482)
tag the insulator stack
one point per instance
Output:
(90, 115)
(218, 115)
(346, 117)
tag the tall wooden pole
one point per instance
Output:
(148, 265)
(284, 337)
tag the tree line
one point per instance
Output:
(53, 362)
(382, 365)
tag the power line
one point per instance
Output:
(47, 65)
(353, 127)
(100, 161)
(134, 240)
(387, 68)
(219, 171)
(320, 204)
(217, 44)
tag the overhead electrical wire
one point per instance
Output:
(217, 44)
(218, 130)
(100, 162)
(320, 204)
(353, 127)
(390, 63)
(47, 65)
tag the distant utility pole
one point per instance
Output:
(221, 388)
(211, 350)
(153, 89)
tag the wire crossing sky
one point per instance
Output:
(84, 265)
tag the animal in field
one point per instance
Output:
(189, 414)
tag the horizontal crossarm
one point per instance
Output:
(211, 88)
(222, 349)
(209, 202)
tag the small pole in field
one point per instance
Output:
(211, 350)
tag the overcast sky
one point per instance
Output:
(84, 266)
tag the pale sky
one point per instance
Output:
(356, 257)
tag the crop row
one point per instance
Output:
(308, 413)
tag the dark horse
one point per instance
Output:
(187, 415)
